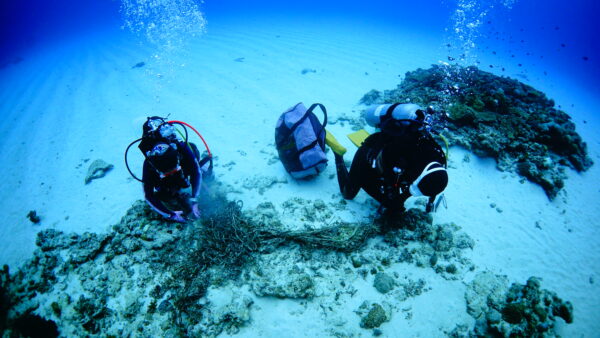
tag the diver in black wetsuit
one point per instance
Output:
(172, 165)
(402, 160)
(168, 170)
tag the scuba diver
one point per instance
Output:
(171, 167)
(400, 161)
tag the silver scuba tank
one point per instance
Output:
(405, 111)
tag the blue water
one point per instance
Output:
(548, 34)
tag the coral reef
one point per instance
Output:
(515, 311)
(145, 269)
(426, 244)
(498, 117)
(150, 277)
(97, 169)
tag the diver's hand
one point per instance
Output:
(177, 216)
(195, 210)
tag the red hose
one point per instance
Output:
(194, 129)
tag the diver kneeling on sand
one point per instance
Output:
(400, 161)
(172, 165)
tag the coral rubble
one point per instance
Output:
(373, 315)
(97, 169)
(425, 244)
(515, 311)
(148, 276)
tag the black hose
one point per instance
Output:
(127, 164)
(184, 129)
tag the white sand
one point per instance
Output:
(82, 100)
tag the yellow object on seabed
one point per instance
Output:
(333, 143)
(358, 137)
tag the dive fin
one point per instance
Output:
(358, 137)
(333, 143)
(446, 144)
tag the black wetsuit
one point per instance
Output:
(157, 188)
(374, 162)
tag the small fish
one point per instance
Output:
(585, 58)
(239, 60)
(563, 45)
(450, 58)
(139, 65)
(520, 65)
(491, 66)
(494, 52)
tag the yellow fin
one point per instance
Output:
(358, 137)
(447, 145)
(333, 143)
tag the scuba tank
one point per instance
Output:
(159, 130)
(375, 115)
(399, 118)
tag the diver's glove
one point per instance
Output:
(334, 144)
(177, 216)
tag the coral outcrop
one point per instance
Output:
(497, 117)
(515, 311)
